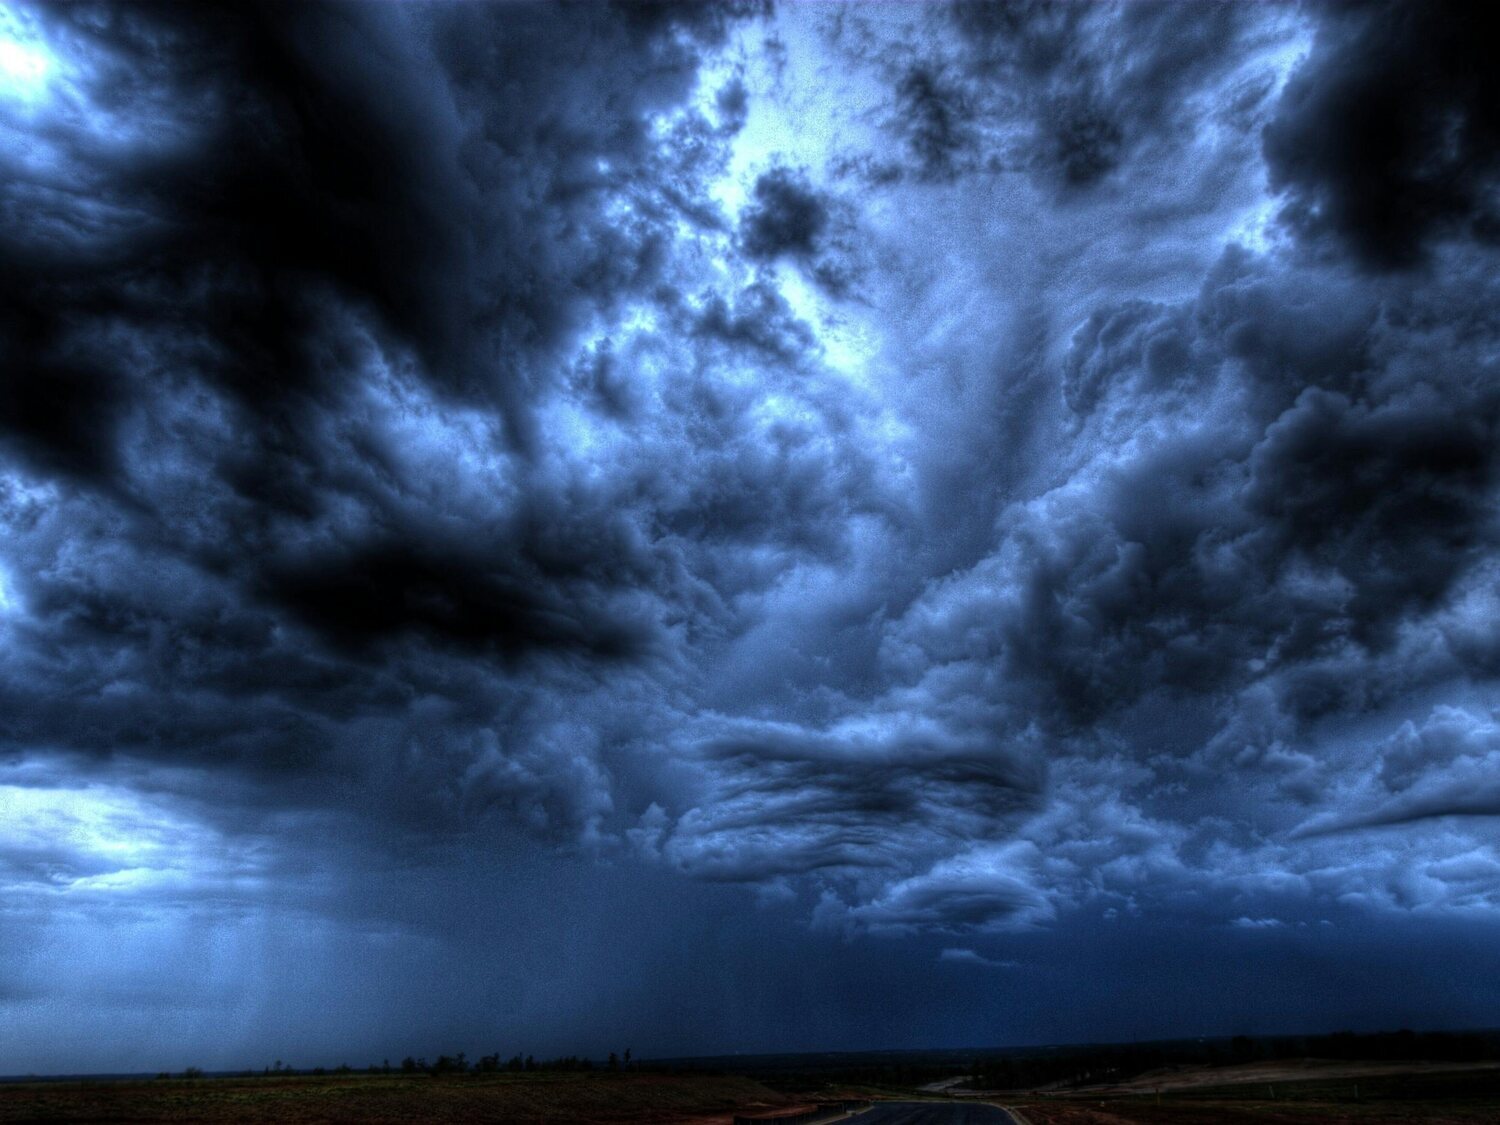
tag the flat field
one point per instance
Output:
(1456, 1097)
(519, 1099)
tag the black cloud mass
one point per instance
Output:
(949, 496)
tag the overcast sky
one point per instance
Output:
(724, 529)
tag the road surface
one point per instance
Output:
(932, 1113)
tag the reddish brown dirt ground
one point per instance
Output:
(546, 1099)
(1114, 1113)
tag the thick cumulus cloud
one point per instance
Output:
(294, 299)
(960, 472)
(1256, 533)
(1066, 93)
(1388, 142)
(788, 217)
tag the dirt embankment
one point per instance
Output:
(1220, 1113)
(1291, 1070)
(1302, 1092)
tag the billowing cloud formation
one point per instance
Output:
(1390, 140)
(788, 217)
(961, 471)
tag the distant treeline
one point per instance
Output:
(1031, 1068)
(989, 1069)
(458, 1063)
(1094, 1065)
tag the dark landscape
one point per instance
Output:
(1401, 1076)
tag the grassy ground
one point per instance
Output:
(523, 1099)
(1458, 1098)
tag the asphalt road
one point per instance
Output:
(933, 1113)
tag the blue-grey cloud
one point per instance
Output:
(1012, 471)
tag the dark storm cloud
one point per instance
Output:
(323, 163)
(937, 120)
(448, 591)
(1273, 521)
(1255, 509)
(442, 445)
(786, 218)
(1067, 92)
(790, 802)
(1310, 522)
(1099, 83)
(267, 271)
(349, 549)
(320, 183)
(1389, 137)
(1268, 507)
(791, 219)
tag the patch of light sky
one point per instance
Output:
(97, 840)
(44, 72)
(849, 340)
(1286, 45)
(806, 108)
(454, 454)
(27, 64)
